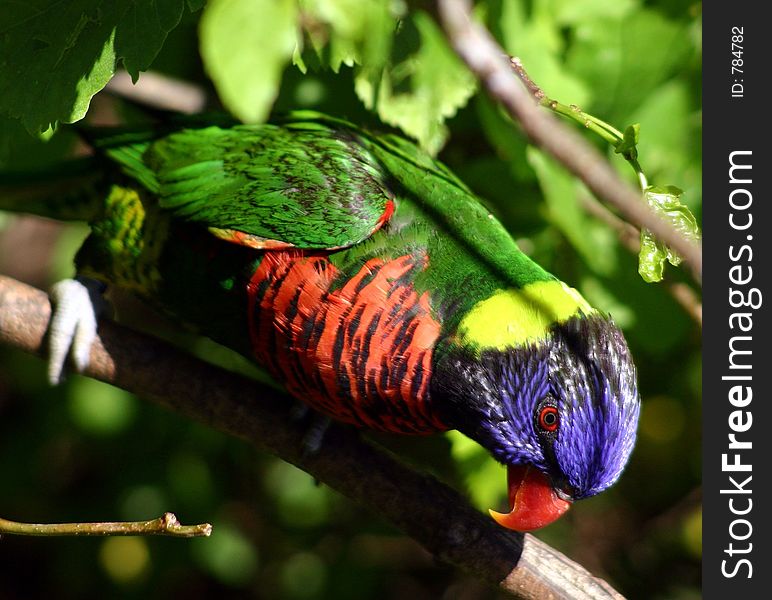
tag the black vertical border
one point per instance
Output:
(736, 124)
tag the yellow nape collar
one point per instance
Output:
(516, 317)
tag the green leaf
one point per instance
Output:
(602, 298)
(570, 12)
(670, 149)
(485, 479)
(21, 151)
(142, 21)
(593, 241)
(666, 201)
(536, 38)
(503, 135)
(54, 56)
(628, 146)
(421, 91)
(352, 31)
(617, 58)
(245, 45)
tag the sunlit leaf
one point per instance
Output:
(671, 149)
(571, 12)
(536, 38)
(245, 45)
(592, 240)
(54, 56)
(419, 93)
(617, 58)
(666, 201)
(349, 32)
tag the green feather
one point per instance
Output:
(311, 189)
(313, 182)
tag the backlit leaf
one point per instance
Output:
(245, 45)
(667, 202)
(420, 92)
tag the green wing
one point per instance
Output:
(307, 185)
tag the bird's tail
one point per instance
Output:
(71, 191)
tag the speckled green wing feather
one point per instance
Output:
(264, 186)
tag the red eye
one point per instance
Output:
(548, 418)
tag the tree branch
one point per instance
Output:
(434, 514)
(487, 60)
(166, 525)
(630, 238)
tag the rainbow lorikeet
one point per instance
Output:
(367, 279)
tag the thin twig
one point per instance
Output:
(487, 60)
(437, 516)
(608, 132)
(530, 84)
(166, 525)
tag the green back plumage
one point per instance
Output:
(315, 182)
(307, 187)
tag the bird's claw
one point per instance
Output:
(73, 328)
(314, 436)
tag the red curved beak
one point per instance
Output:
(533, 500)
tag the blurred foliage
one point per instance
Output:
(86, 451)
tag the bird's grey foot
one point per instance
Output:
(314, 436)
(315, 423)
(299, 411)
(73, 328)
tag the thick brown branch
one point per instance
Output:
(432, 513)
(488, 62)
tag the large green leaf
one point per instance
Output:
(670, 148)
(571, 12)
(19, 150)
(351, 32)
(246, 44)
(537, 40)
(54, 56)
(418, 93)
(594, 242)
(617, 57)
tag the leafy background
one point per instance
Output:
(87, 451)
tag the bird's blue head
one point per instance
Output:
(561, 413)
